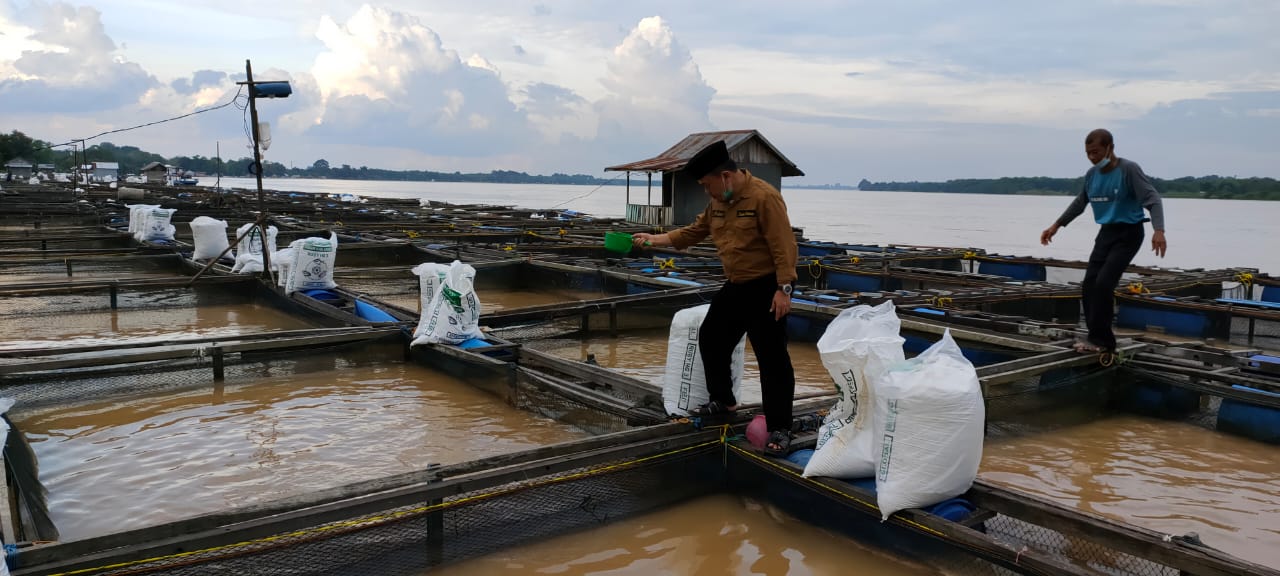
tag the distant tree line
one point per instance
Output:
(131, 160)
(1185, 187)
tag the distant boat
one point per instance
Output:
(187, 178)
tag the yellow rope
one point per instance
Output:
(970, 255)
(1245, 278)
(815, 264)
(855, 260)
(668, 263)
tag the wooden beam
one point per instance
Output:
(30, 352)
(580, 394)
(650, 393)
(229, 346)
(992, 375)
(1208, 387)
(1233, 378)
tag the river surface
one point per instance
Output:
(1201, 233)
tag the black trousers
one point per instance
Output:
(1113, 250)
(744, 308)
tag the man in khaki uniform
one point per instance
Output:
(747, 220)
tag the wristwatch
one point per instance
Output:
(785, 288)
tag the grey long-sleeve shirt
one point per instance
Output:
(1139, 185)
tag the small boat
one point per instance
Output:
(187, 178)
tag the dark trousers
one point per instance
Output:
(1113, 250)
(744, 308)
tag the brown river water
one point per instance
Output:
(1172, 477)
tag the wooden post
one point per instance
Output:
(67, 261)
(1251, 321)
(613, 320)
(218, 374)
(266, 250)
(586, 324)
(513, 384)
(435, 525)
(115, 295)
(257, 154)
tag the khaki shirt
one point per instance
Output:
(751, 231)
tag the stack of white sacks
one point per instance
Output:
(916, 425)
(450, 308)
(307, 264)
(210, 239)
(151, 223)
(249, 250)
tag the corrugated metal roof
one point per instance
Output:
(675, 157)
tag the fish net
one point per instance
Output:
(443, 527)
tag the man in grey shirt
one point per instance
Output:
(1118, 191)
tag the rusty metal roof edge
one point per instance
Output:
(671, 160)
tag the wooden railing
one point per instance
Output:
(652, 215)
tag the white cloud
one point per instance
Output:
(65, 61)
(656, 93)
(387, 80)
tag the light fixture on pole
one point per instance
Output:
(272, 89)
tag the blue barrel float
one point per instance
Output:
(1271, 293)
(1242, 418)
(372, 313)
(1016, 271)
(1162, 314)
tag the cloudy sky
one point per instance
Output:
(918, 89)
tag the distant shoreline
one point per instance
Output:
(969, 187)
(1208, 187)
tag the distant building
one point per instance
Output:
(682, 198)
(105, 171)
(46, 169)
(18, 168)
(155, 173)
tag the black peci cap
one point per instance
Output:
(707, 160)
